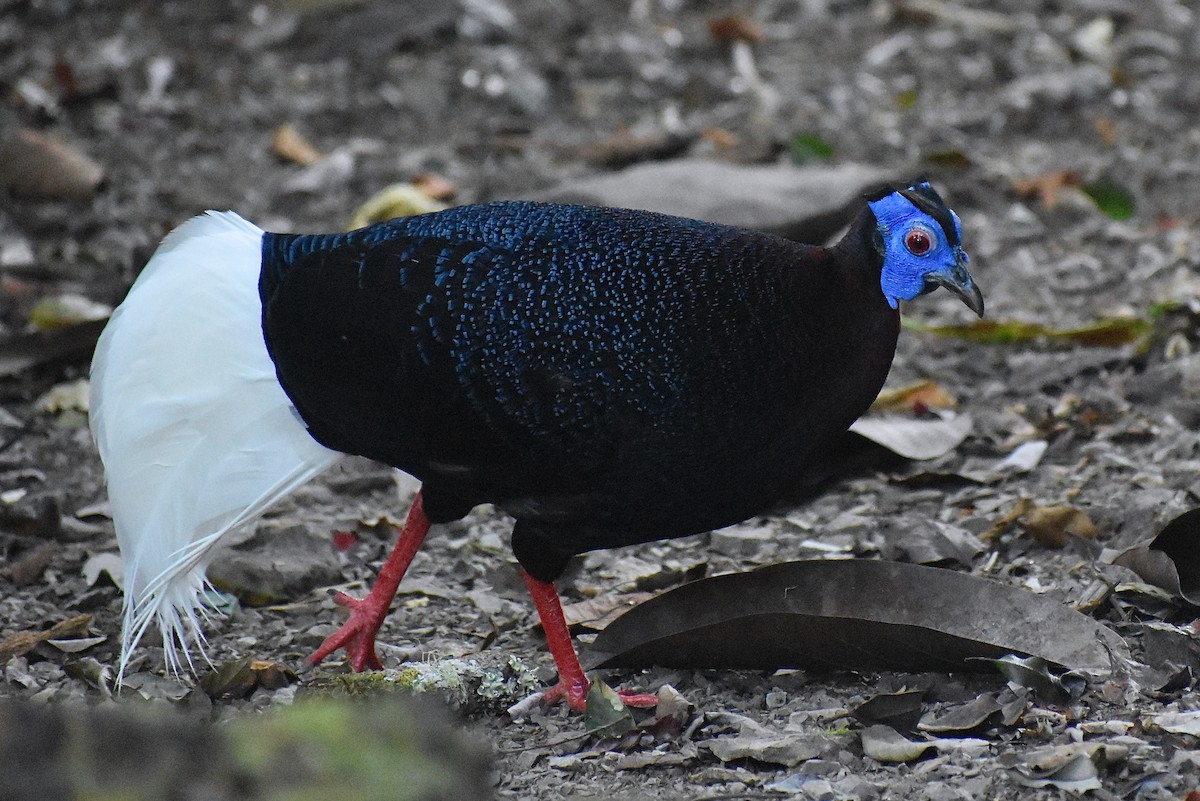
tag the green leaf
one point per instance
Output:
(606, 714)
(1112, 199)
(1107, 332)
(808, 147)
(951, 159)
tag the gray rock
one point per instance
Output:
(275, 565)
(808, 204)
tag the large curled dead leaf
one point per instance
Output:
(853, 615)
(1172, 559)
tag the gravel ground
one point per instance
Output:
(177, 104)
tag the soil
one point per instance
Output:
(178, 102)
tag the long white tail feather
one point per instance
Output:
(196, 435)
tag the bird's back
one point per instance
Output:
(623, 373)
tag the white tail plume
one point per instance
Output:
(196, 435)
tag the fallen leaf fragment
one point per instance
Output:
(1006, 520)
(37, 165)
(23, 642)
(915, 398)
(93, 672)
(806, 147)
(952, 159)
(1177, 722)
(885, 744)
(919, 439)
(734, 28)
(594, 614)
(68, 396)
(788, 746)
(1023, 458)
(606, 714)
(435, 186)
(60, 311)
(1107, 332)
(1107, 129)
(1055, 525)
(28, 566)
(966, 17)
(1112, 199)
(1036, 674)
(76, 644)
(899, 710)
(288, 143)
(397, 200)
(1047, 186)
(1069, 767)
(239, 678)
(855, 615)
(671, 713)
(721, 138)
(962, 717)
(623, 148)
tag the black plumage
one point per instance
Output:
(606, 376)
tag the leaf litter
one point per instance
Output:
(1056, 266)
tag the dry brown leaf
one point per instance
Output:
(1047, 186)
(1054, 525)
(288, 143)
(435, 186)
(917, 398)
(623, 148)
(1005, 521)
(40, 166)
(1107, 129)
(27, 568)
(396, 200)
(596, 613)
(25, 641)
(723, 139)
(736, 27)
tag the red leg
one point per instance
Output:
(573, 683)
(357, 634)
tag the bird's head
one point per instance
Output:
(920, 240)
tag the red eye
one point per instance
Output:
(918, 242)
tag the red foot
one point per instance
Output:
(357, 634)
(573, 684)
(577, 699)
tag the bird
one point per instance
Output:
(604, 376)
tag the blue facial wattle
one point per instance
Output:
(921, 242)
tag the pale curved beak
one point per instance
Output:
(960, 282)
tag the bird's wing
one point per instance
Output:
(196, 435)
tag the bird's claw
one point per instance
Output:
(356, 635)
(576, 693)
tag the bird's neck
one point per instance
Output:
(860, 246)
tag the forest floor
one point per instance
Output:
(1065, 134)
